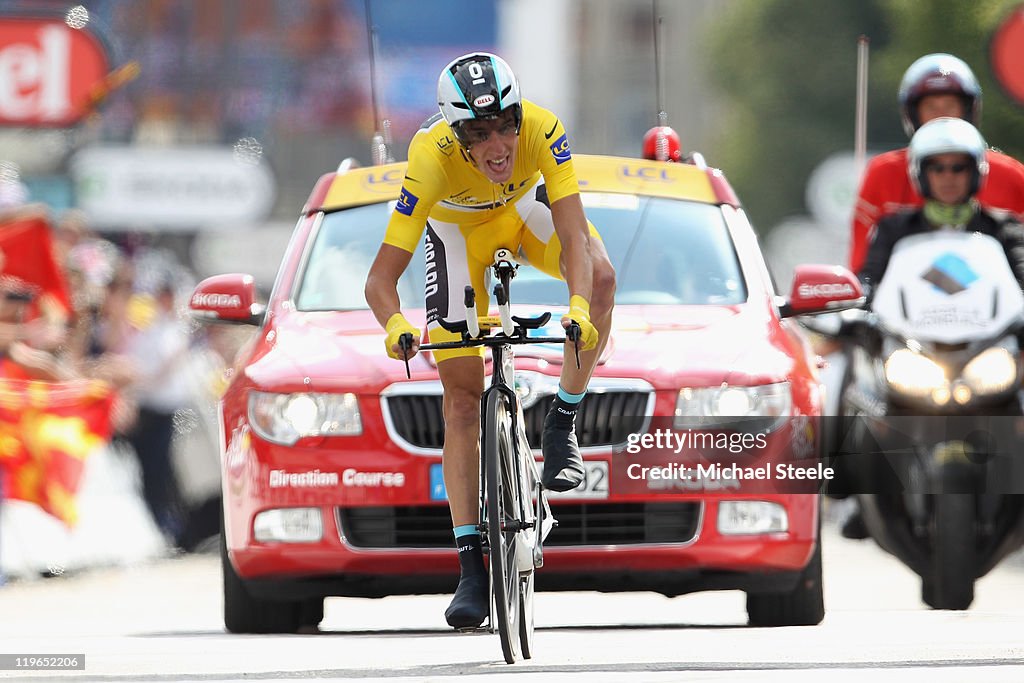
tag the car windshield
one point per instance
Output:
(665, 251)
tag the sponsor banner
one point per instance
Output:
(181, 188)
(50, 73)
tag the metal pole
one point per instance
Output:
(861, 124)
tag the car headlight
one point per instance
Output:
(286, 418)
(711, 407)
(991, 372)
(908, 372)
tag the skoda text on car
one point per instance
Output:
(332, 457)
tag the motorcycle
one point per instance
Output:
(932, 428)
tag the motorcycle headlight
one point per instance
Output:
(286, 418)
(910, 373)
(991, 372)
(711, 407)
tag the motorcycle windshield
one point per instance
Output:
(948, 288)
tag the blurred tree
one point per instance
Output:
(788, 71)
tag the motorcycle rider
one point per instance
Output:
(947, 165)
(935, 85)
(489, 170)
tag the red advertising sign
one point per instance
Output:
(1006, 53)
(49, 72)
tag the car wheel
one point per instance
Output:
(245, 614)
(802, 606)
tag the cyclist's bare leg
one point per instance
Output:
(563, 464)
(463, 380)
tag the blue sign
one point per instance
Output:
(437, 489)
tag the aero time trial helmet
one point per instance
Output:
(478, 85)
(938, 74)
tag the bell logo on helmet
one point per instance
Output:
(484, 101)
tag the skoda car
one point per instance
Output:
(332, 457)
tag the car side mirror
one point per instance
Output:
(229, 298)
(821, 289)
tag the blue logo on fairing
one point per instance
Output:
(406, 202)
(560, 149)
(950, 274)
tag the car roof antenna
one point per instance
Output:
(380, 147)
(662, 142)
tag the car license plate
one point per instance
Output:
(595, 482)
(594, 485)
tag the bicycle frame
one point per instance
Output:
(530, 519)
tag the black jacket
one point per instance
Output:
(891, 229)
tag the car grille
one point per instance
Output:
(579, 524)
(604, 419)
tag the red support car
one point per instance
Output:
(332, 458)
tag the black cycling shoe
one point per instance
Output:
(854, 527)
(471, 603)
(563, 464)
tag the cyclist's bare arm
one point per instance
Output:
(381, 289)
(382, 282)
(574, 235)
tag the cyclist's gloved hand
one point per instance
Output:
(397, 326)
(579, 310)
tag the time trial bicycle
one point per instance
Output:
(515, 517)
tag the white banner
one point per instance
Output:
(172, 188)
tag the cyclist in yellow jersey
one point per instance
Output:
(491, 170)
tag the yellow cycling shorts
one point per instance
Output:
(459, 254)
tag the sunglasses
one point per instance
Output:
(942, 168)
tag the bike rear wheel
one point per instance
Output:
(502, 505)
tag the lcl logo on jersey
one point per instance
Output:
(560, 149)
(446, 145)
(406, 202)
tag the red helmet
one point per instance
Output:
(661, 143)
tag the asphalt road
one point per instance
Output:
(162, 622)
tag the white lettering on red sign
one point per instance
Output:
(34, 78)
(825, 289)
(214, 300)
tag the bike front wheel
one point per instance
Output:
(503, 515)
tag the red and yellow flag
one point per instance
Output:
(47, 430)
(26, 251)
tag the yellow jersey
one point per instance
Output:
(442, 182)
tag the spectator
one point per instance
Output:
(18, 360)
(160, 352)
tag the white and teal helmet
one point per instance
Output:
(942, 136)
(478, 85)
